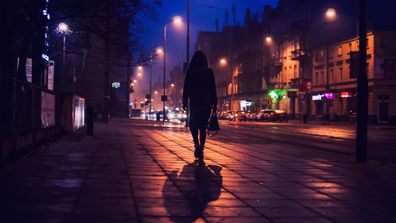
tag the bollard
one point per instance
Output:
(90, 120)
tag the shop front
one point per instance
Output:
(323, 104)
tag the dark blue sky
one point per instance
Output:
(203, 15)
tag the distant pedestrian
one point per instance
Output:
(199, 98)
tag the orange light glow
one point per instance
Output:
(331, 13)
(268, 39)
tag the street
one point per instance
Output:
(138, 171)
(333, 137)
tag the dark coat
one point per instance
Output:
(200, 89)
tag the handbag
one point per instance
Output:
(213, 124)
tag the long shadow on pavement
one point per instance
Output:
(199, 183)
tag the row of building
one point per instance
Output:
(302, 57)
(49, 73)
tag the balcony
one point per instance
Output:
(298, 82)
(299, 55)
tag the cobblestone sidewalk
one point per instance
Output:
(133, 171)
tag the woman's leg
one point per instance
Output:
(194, 133)
(202, 137)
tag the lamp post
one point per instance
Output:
(177, 20)
(330, 15)
(362, 83)
(157, 52)
(224, 62)
(187, 51)
(63, 29)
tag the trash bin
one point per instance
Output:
(90, 120)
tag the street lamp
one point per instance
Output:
(362, 83)
(331, 14)
(63, 29)
(223, 61)
(268, 40)
(158, 51)
(176, 20)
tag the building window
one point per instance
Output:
(341, 73)
(332, 79)
(322, 78)
(295, 71)
(316, 80)
(339, 53)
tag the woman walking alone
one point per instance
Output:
(199, 98)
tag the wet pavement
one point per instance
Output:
(137, 171)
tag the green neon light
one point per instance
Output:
(273, 94)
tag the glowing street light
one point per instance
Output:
(159, 51)
(63, 28)
(135, 81)
(139, 74)
(268, 39)
(331, 13)
(140, 68)
(177, 20)
(172, 85)
(223, 61)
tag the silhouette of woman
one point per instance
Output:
(199, 95)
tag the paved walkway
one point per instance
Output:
(132, 171)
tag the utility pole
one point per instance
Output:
(107, 68)
(188, 35)
(151, 84)
(187, 51)
(362, 88)
(164, 97)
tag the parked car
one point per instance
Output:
(279, 115)
(251, 116)
(176, 115)
(265, 115)
(224, 115)
(160, 115)
(230, 115)
(239, 116)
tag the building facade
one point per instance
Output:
(301, 60)
(335, 74)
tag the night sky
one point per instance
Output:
(203, 15)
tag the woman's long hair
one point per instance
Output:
(199, 60)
